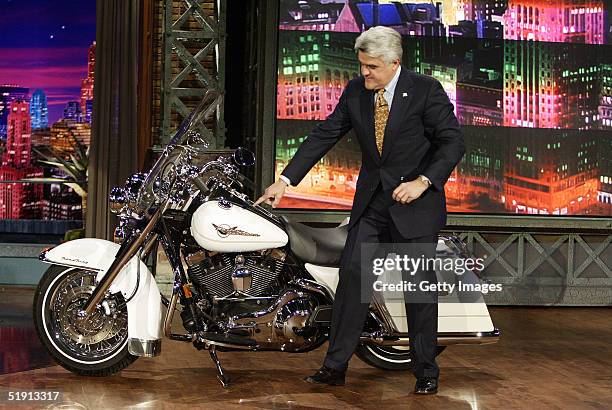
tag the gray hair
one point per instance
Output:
(380, 42)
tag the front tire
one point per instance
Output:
(387, 357)
(94, 346)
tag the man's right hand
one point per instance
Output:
(273, 194)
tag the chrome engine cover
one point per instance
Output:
(225, 275)
(284, 325)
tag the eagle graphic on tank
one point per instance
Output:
(225, 230)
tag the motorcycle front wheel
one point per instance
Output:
(91, 346)
(388, 357)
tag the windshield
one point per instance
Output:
(188, 130)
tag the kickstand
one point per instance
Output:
(221, 376)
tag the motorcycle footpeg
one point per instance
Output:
(227, 338)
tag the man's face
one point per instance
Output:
(376, 72)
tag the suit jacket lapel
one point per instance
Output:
(401, 102)
(366, 102)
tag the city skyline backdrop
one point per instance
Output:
(530, 80)
(47, 66)
(44, 45)
(574, 21)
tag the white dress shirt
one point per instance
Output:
(390, 88)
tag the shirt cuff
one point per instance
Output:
(285, 179)
(424, 178)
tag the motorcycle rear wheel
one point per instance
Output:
(94, 346)
(388, 357)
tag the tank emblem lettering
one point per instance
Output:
(225, 230)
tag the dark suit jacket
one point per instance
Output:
(422, 137)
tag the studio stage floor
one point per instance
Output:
(547, 358)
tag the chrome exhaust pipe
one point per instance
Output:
(168, 322)
(444, 339)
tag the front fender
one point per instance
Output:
(89, 253)
(145, 307)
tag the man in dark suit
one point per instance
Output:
(410, 142)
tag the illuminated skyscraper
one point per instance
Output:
(312, 74)
(19, 200)
(567, 21)
(474, 10)
(9, 93)
(604, 150)
(38, 110)
(550, 85)
(87, 84)
(63, 134)
(449, 72)
(18, 145)
(73, 112)
(88, 111)
(605, 97)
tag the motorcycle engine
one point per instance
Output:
(222, 275)
(285, 325)
(252, 299)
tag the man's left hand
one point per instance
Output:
(409, 191)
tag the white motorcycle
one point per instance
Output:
(244, 279)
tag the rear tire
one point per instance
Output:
(388, 357)
(93, 347)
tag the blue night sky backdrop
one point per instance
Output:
(43, 44)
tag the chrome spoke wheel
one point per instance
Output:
(91, 338)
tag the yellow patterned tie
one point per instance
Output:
(381, 114)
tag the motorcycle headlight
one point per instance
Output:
(132, 188)
(117, 200)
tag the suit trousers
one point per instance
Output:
(355, 288)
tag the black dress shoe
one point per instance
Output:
(426, 385)
(328, 376)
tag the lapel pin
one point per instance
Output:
(405, 95)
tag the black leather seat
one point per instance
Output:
(319, 246)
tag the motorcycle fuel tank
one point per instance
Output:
(222, 226)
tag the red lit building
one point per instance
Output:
(19, 200)
(87, 83)
(555, 173)
(563, 21)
